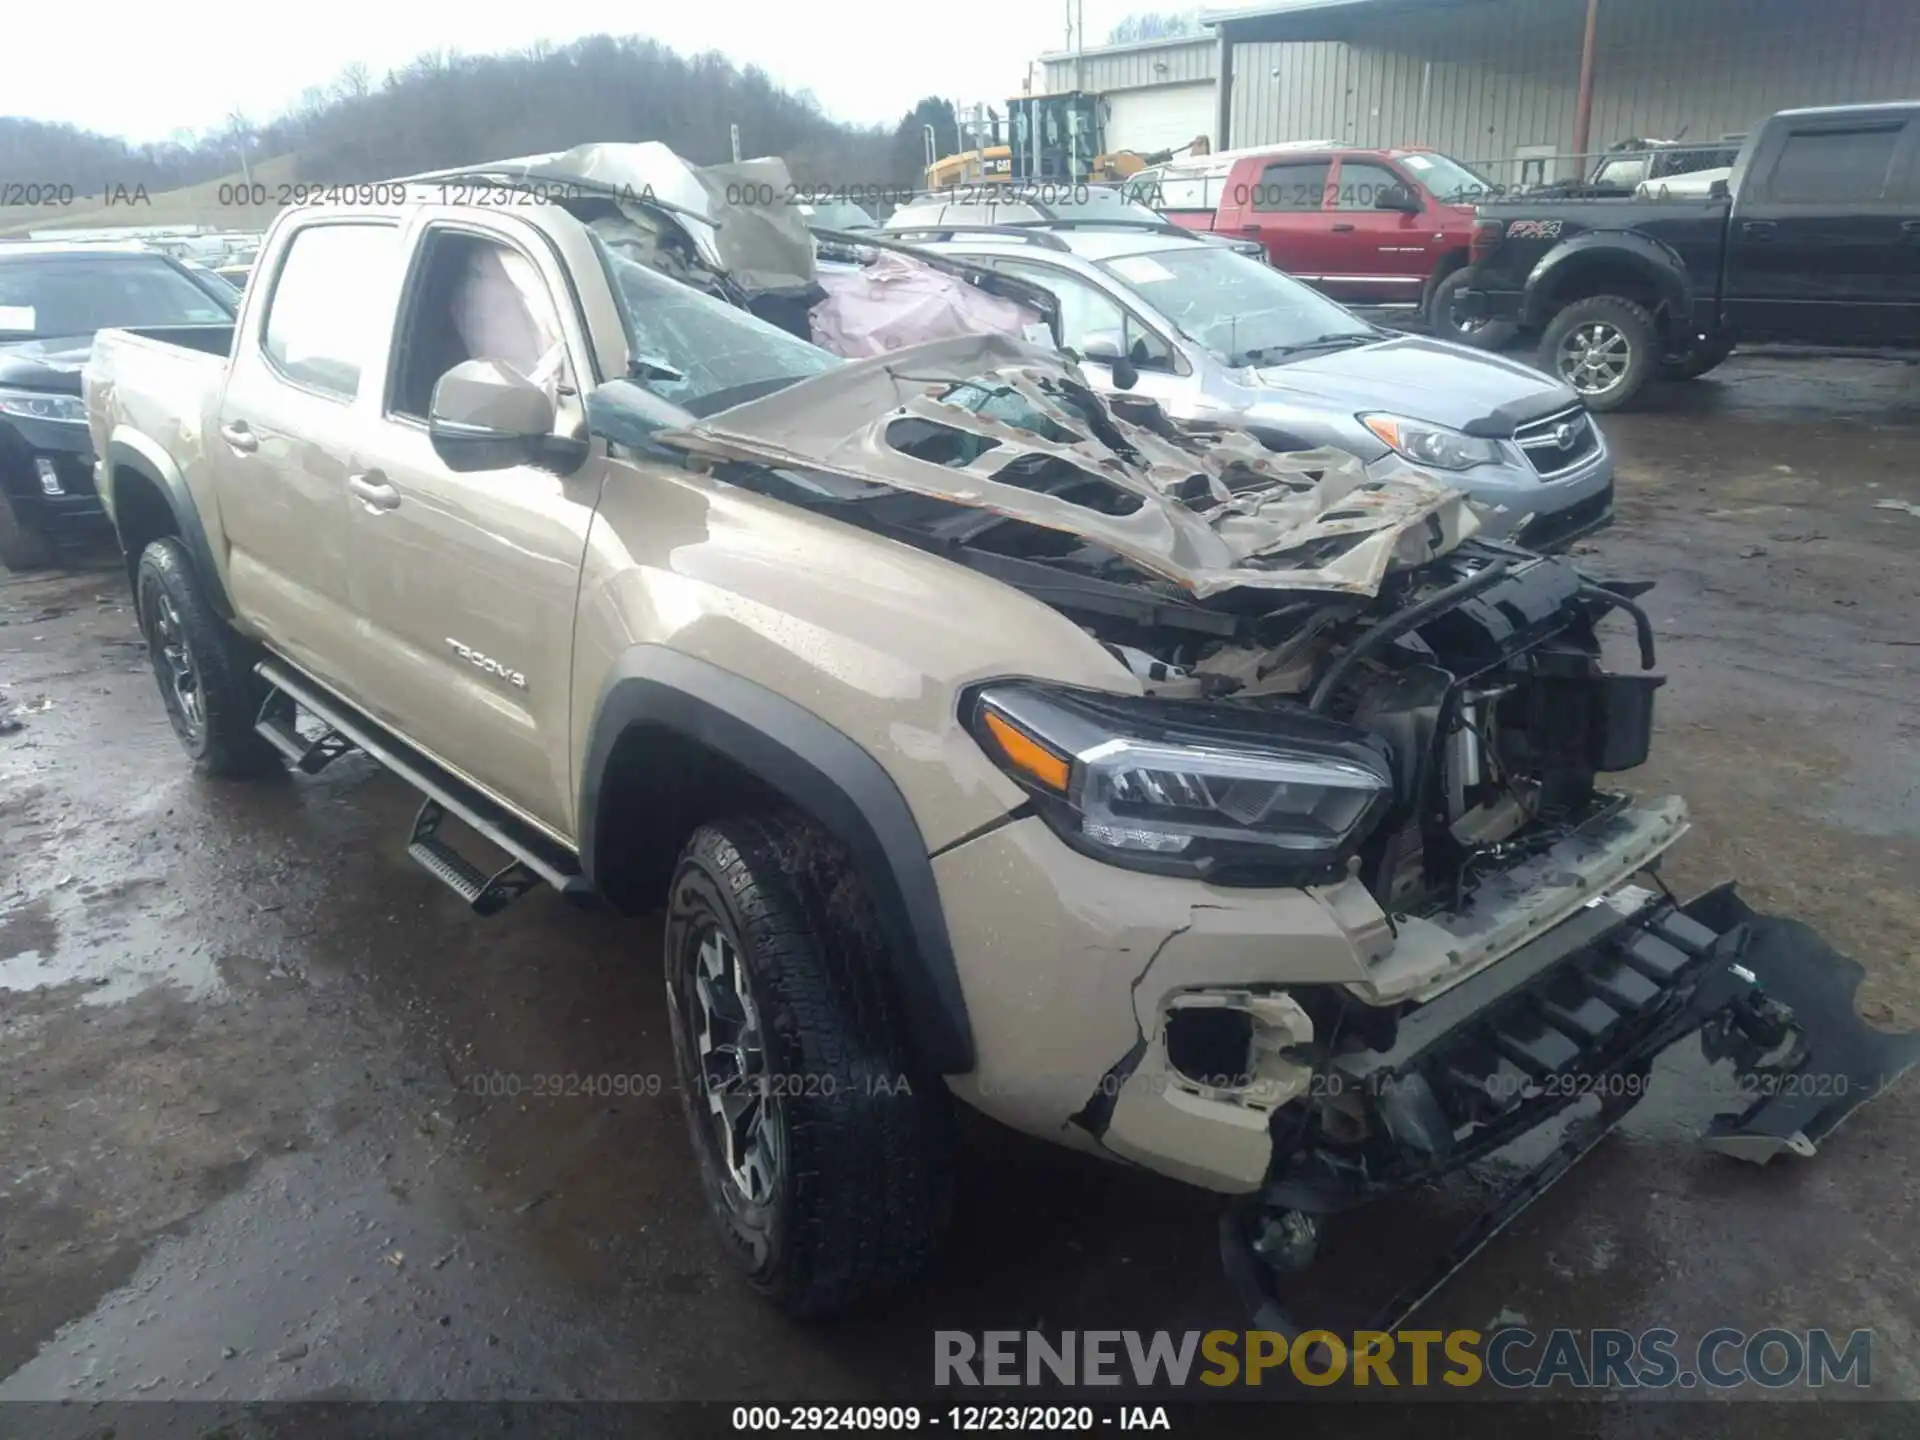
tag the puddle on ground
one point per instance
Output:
(131, 938)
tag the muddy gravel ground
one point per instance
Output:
(268, 1126)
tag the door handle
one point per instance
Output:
(242, 440)
(374, 492)
(1341, 229)
(1758, 229)
(1249, 229)
(1910, 229)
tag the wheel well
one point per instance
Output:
(141, 514)
(1448, 263)
(661, 785)
(1606, 277)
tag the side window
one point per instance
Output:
(1088, 313)
(1834, 165)
(474, 298)
(1190, 192)
(1623, 174)
(1294, 185)
(1144, 188)
(327, 313)
(1362, 183)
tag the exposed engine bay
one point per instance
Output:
(1291, 587)
(1255, 593)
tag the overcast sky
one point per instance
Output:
(146, 69)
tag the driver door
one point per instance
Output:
(466, 583)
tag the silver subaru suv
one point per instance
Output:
(1213, 335)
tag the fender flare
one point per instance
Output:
(1648, 258)
(820, 770)
(130, 450)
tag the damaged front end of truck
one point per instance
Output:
(1522, 962)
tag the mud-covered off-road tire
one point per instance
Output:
(1704, 355)
(193, 651)
(857, 1209)
(1612, 330)
(22, 546)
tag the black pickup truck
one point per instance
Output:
(1814, 239)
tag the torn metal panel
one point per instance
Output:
(761, 248)
(1210, 510)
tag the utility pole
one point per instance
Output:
(1583, 106)
(733, 134)
(1080, 45)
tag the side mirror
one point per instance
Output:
(1398, 198)
(485, 415)
(631, 415)
(1718, 190)
(1103, 348)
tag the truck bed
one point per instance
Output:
(161, 383)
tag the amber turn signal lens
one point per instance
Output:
(1026, 754)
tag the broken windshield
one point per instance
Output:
(700, 353)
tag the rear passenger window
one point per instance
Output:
(1834, 165)
(1293, 186)
(329, 309)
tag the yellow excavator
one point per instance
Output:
(1048, 139)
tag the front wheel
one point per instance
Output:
(211, 698)
(1704, 356)
(1447, 323)
(823, 1147)
(1605, 347)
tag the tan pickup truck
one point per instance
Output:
(1203, 806)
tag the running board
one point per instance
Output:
(277, 726)
(535, 857)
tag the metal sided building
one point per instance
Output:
(1500, 82)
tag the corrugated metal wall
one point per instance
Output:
(1133, 68)
(1481, 83)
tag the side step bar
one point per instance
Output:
(536, 857)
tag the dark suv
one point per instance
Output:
(52, 299)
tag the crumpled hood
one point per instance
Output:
(1210, 509)
(1423, 379)
(52, 364)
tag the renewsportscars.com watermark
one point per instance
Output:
(1513, 1358)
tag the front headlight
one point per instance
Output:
(1432, 445)
(1234, 793)
(36, 405)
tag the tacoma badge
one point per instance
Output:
(487, 663)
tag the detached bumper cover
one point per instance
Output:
(1579, 1015)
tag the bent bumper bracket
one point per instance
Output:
(1766, 993)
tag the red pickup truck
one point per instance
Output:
(1388, 228)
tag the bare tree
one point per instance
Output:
(447, 109)
(1154, 25)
